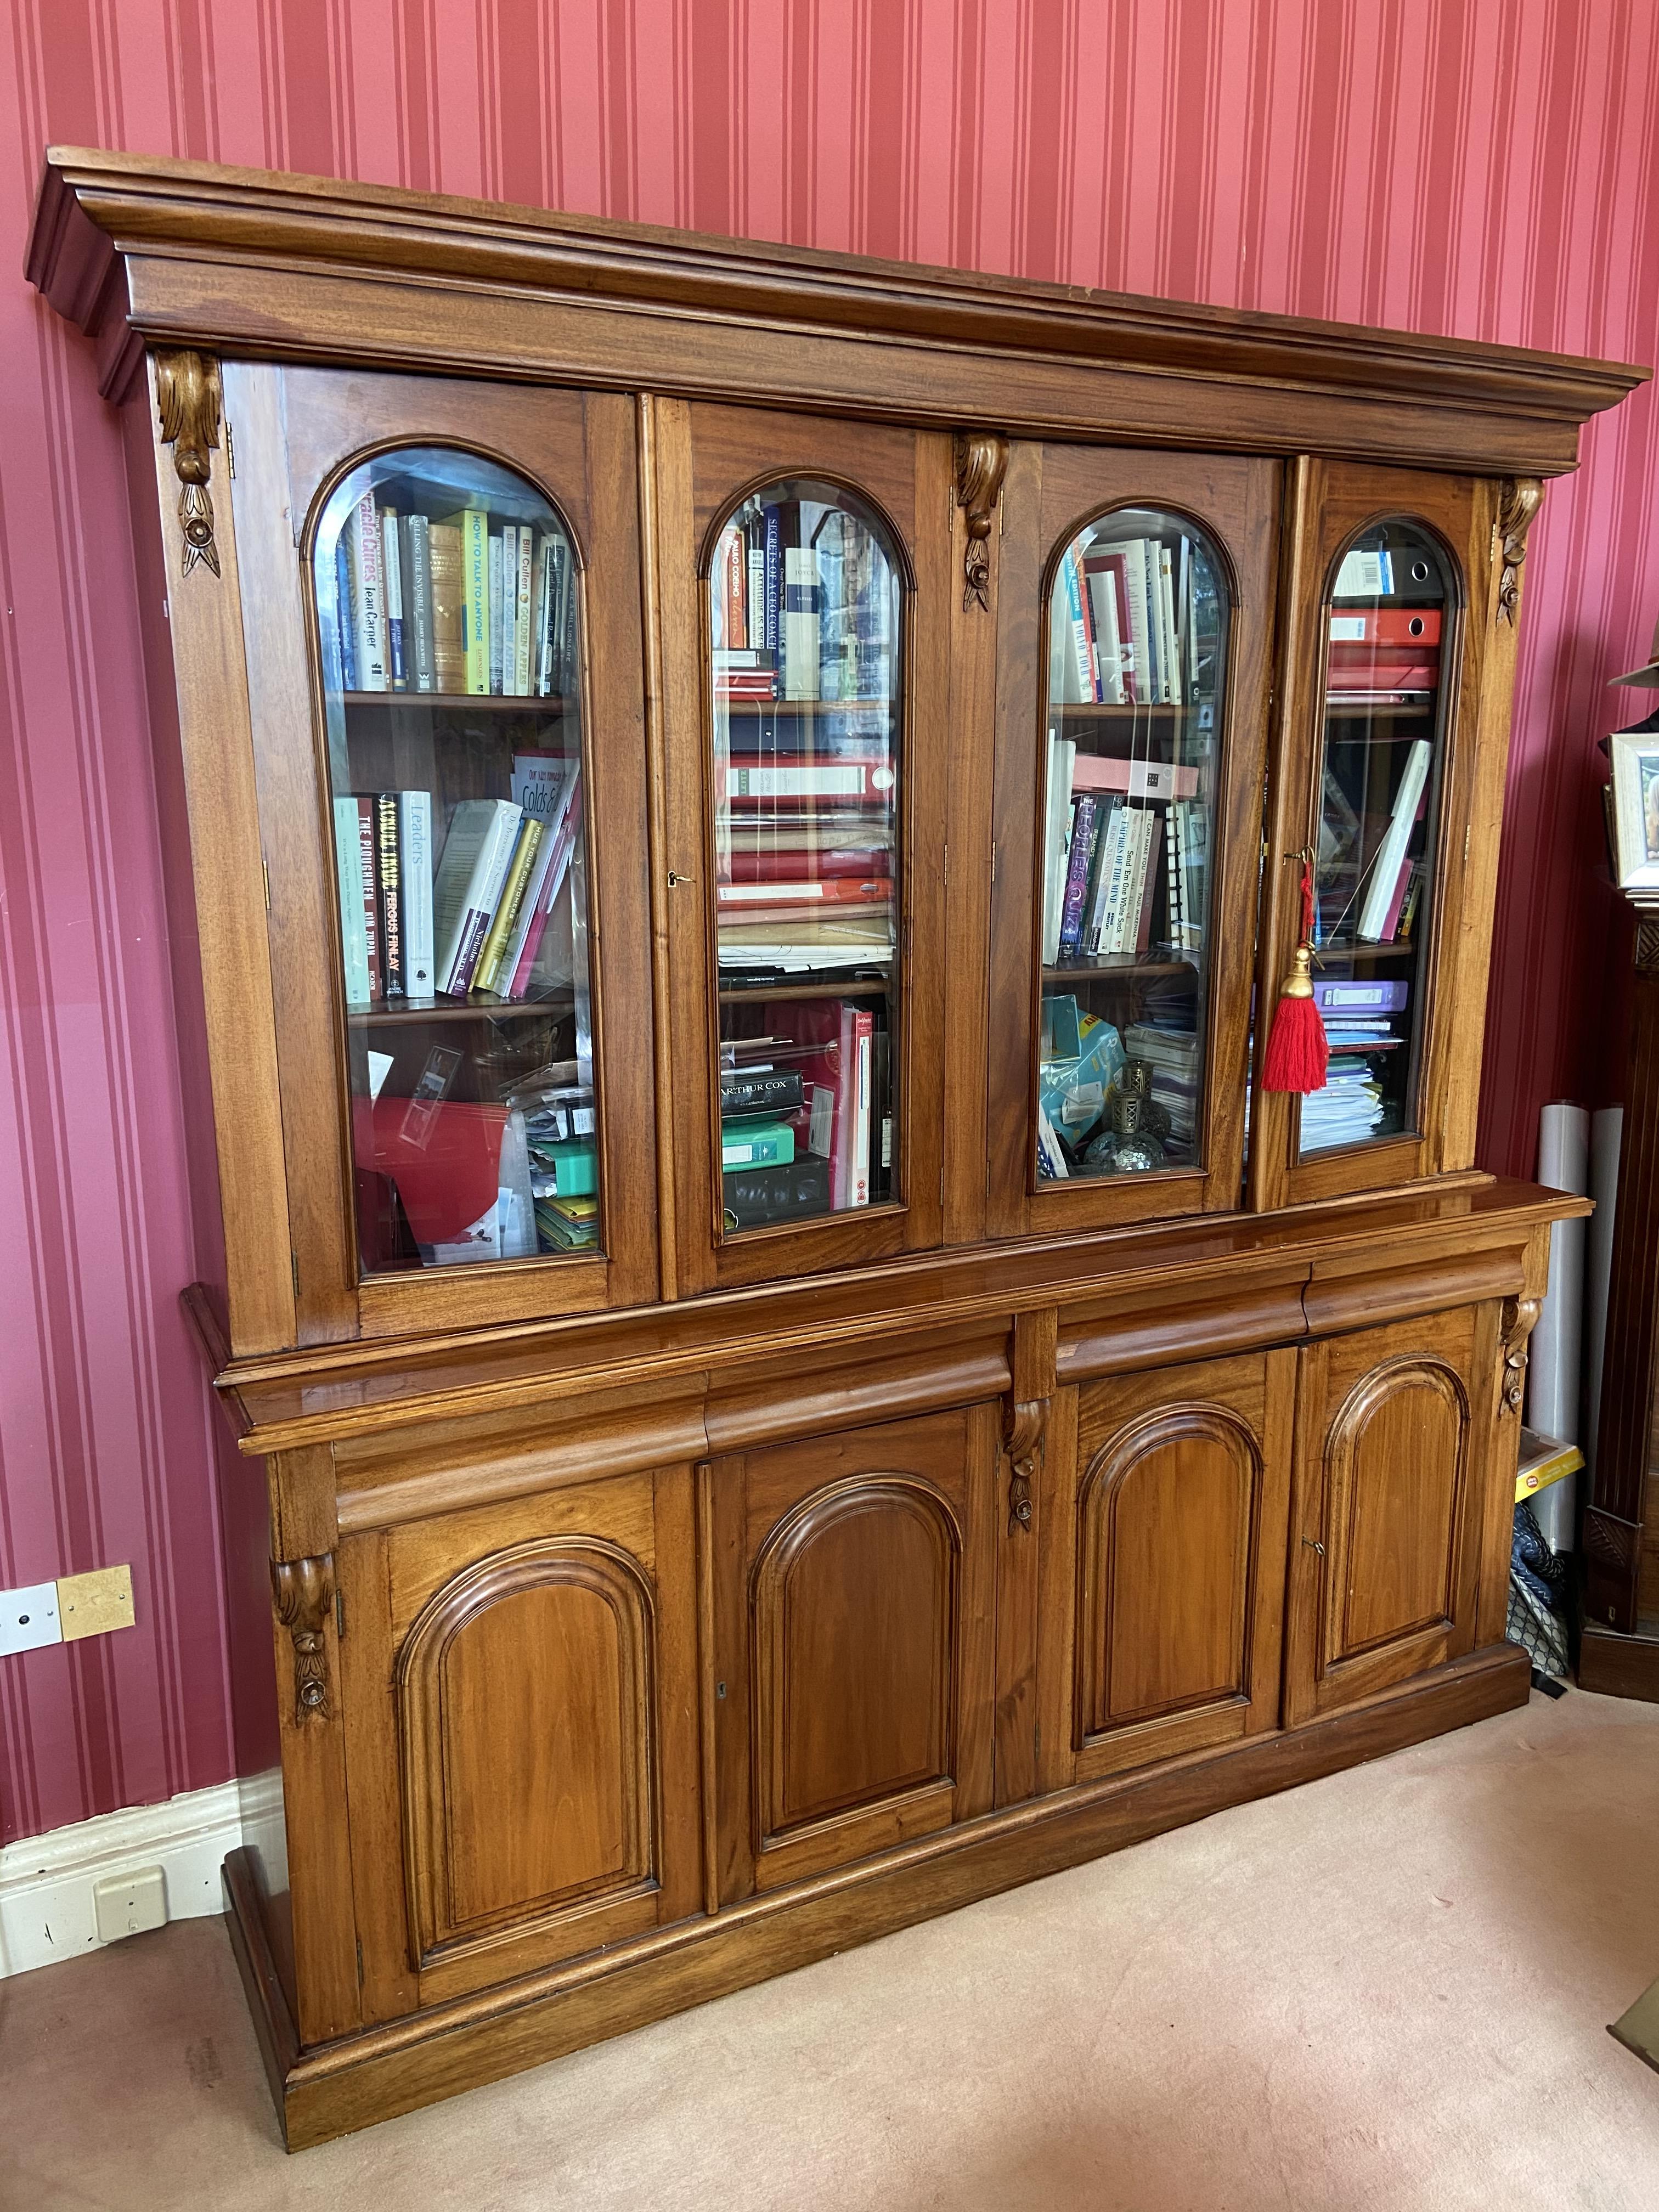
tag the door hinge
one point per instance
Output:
(230, 448)
(294, 1264)
(360, 1962)
(265, 866)
(947, 863)
(339, 1608)
(1468, 831)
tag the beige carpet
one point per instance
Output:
(1389, 1989)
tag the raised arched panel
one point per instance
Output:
(855, 1604)
(1167, 1515)
(1397, 1461)
(525, 1701)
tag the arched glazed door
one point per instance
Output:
(1129, 749)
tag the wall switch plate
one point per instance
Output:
(92, 1605)
(29, 1618)
(128, 1904)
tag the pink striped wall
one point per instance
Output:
(1489, 168)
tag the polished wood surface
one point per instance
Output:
(1389, 1463)
(637, 1624)
(269, 264)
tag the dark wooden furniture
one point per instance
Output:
(1618, 1654)
(652, 1617)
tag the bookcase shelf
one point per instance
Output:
(807, 709)
(734, 994)
(1118, 967)
(471, 703)
(416, 1016)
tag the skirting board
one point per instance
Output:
(46, 1881)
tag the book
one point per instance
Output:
(1084, 831)
(1365, 574)
(558, 846)
(849, 1174)
(367, 586)
(1385, 868)
(753, 1196)
(1058, 820)
(800, 623)
(541, 592)
(445, 567)
(389, 911)
(348, 884)
(1081, 685)
(772, 544)
(756, 1144)
(1127, 564)
(1099, 931)
(486, 975)
(503, 544)
(1152, 838)
(1102, 586)
(415, 891)
(816, 893)
(1137, 779)
(1169, 659)
(471, 525)
(786, 859)
(368, 892)
(1387, 626)
(524, 589)
(415, 566)
(1342, 994)
(775, 1091)
(794, 779)
(393, 570)
(754, 610)
(477, 855)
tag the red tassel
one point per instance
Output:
(1297, 1053)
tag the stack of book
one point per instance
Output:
(1347, 1110)
(804, 877)
(454, 605)
(1176, 1059)
(1382, 657)
(480, 924)
(803, 604)
(1123, 631)
(804, 1122)
(1108, 855)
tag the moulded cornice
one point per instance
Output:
(209, 240)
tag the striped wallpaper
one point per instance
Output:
(1488, 167)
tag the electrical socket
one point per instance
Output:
(29, 1618)
(96, 1604)
(128, 1904)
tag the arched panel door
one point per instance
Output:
(854, 1635)
(804, 694)
(1391, 731)
(1172, 1535)
(522, 1758)
(1131, 726)
(1392, 1451)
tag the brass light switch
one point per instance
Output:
(92, 1605)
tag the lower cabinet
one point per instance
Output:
(851, 1584)
(1163, 1535)
(521, 1702)
(1394, 1430)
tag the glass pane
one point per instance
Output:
(448, 604)
(806, 619)
(1139, 613)
(1379, 809)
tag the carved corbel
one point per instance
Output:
(188, 399)
(1522, 497)
(1517, 1322)
(981, 464)
(1022, 1427)
(304, 1591)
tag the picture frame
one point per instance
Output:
(1635, 758)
